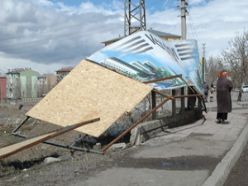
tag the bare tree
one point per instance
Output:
(213, 66)
(237, 58)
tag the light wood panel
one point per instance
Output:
(90, 87)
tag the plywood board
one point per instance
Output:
(87, 87)
(12, 149)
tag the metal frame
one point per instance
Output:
(200, 96)
(154, 108)
(134, 125)
(163, 79)
(150, 112)
(12, 149)
(188, 86)
(20, 125)
(70, 147)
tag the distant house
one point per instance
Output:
(61, 73)
(42, 85)
(22, 83)
(45, 83)
(163, 35)
(13, 84)
(2, 87)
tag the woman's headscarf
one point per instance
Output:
(223, 74)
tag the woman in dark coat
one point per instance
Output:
(223, 93)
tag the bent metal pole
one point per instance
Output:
(134, 125)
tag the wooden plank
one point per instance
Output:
(87, 87)
(12, 149)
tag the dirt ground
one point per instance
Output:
(27, 167)
(19, 168)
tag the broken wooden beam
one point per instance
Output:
(12, 149)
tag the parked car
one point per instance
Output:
(244, 88)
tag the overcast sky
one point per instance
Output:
(46, 35)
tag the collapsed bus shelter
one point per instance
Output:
(109, 88)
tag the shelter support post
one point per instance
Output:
(173, 103)
(191, 100)
(154, 114)
(134, 125)
(182, 100)
(203, 103)
(199, 103)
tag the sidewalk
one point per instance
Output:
(200, 154)
(184, 156)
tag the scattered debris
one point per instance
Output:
(117, 146)
(84, 141)
(49, 160)
(97, 146)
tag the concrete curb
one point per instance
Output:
(222, 170)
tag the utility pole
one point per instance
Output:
(203, 61)
(184, 12)
(134, 16)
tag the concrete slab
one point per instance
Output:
(209, 139)
(144, 177)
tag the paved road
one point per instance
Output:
(238, 175)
